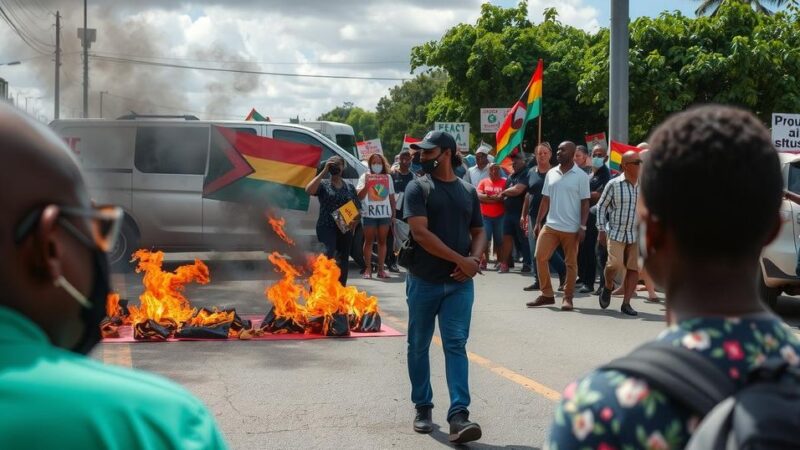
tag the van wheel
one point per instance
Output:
(128, 242)
(768, 294)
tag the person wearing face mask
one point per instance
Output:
(582, 159)
(587, 253)
(54, 293)
(444, 215)
(332, 194)
(713, 304)
(376, 192)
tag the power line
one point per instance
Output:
(251, 72)
(33, 43)
(275, 63)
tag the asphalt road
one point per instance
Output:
(354, 393)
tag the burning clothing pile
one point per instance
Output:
(330, 309)
(164, 311)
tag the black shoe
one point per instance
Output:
(534, 287)
(562, 282)
(422, 421)
(586, 290)
(605, 297)
(393, 268)
(525, 269)
(579, 284)
(598, 291)
(628, 310)
(462, 430)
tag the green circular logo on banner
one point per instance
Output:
(492, 118)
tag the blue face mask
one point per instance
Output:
(598, 162)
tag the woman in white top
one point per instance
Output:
(376, 191)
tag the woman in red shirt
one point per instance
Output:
(492, 209)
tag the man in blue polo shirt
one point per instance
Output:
(52, 299)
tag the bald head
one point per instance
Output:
(631, 163)
(630, 156)
(566, 154)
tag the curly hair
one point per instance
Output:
(713, 177)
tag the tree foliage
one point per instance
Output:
(712, 6)
(364, 123)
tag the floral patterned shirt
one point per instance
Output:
(609, 410)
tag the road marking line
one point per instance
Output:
(121, 356)
(525, 382)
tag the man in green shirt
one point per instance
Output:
(54, 283)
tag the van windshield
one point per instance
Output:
(347, 142)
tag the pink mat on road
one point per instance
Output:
(126, 335)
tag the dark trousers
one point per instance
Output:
(337, 246)
(602, 259)
(587, 254)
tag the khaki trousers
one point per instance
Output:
(547, 242)
(621, 257)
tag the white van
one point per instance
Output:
(154, 168)
(341, 133)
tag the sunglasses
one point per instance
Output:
(104, 224)
(635, 163)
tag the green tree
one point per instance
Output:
(712, 6)
(364, 122)
(405, 110)
(489, 64)
(738, 56)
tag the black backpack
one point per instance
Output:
(763, 414)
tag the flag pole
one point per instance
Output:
(540, 127)
(541, 106)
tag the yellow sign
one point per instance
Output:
(349, 212)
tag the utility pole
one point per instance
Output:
(618, 76)
(101, 102)
(85, 64)
(56, 103)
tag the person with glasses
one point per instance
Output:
(616, 225)
(55, 283)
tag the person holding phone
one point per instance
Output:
(333, 193)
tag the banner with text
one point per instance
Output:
(369, 148)
(492, 118)
(786, 132)
(459, 131)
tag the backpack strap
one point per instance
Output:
(682, 374)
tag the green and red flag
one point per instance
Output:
(245, 168)
(615, 156)
(254, 115)
(529, 106)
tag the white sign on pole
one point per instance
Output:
(369, 148)
(492, 118)
(459, 131)
(786, 132)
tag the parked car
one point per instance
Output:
(779, 260)
(154, 168)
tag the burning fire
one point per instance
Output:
(112, 305)
(162, 300)
(330, 308)
(278, 227)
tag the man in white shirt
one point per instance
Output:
(480, 171)
(565, 202)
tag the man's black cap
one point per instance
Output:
(434, 139)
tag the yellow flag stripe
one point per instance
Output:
(535, 92)
(280, 172)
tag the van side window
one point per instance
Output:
(175, 150)
(327, 152)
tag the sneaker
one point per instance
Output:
(525, 269)
(541, 301)
(503, 268)
(462, 430)
(393, 268)
(422, 421)
(586, 290)
(598, 291)
(382, 274)
(628, 310)
(605, 297)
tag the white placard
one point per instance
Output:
(786, 132)
(369, 148)
(459, 131)
(492, 118)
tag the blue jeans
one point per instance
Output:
(452, 303)
(493, 227)
(556, 263)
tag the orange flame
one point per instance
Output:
(324, 296)
(278, 227)
(206, 318)
(163, 300)
(112, 305)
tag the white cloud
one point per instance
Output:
(572, 12)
